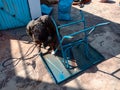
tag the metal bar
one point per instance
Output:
(48, 68)
(72, 23)
(53, 65)
(88, 29)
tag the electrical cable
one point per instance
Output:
(4, 63)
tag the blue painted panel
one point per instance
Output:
(14, 13)
(1, 4)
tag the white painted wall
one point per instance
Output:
(35, 8)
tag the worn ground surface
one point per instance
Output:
(29, 73)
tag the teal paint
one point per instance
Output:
(14, 13)
(83, 63)
(79, 50)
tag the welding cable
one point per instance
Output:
(13, 60)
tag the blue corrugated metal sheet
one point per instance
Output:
(14, 13)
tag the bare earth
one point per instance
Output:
(31, 74)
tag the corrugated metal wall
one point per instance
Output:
(14, 13)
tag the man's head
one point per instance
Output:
(37, 31)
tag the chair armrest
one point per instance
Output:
(90, 29)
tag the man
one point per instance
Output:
(43, 31)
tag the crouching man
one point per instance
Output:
(43, 32)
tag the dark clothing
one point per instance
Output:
(42, 30)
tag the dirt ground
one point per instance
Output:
(29, 73)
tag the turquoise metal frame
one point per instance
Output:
(59, 66)
(60, 74)
(65, 47)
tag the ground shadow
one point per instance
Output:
(94, 69)
(6, 51)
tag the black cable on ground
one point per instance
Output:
(13, 60)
